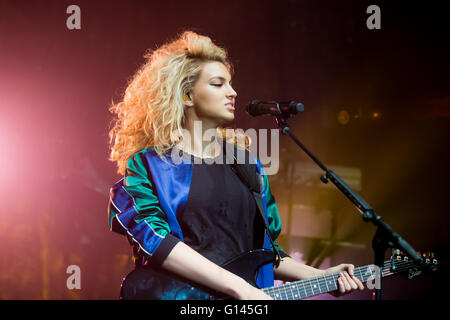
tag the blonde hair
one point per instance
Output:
(151, 113)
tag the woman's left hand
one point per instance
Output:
(347, 281)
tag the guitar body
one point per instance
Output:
(146, 283)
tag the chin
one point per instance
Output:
(226, 120)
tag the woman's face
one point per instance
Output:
(213, 97)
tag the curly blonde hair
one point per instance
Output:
(151, 113)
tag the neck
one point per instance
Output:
(200, 139)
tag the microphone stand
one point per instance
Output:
(384, 236)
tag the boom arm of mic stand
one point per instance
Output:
(369, 214)
(384, 236)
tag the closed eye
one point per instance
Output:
(218, 85)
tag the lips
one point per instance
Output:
(230, 106)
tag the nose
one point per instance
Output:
(231, 93)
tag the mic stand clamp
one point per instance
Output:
(384, 236)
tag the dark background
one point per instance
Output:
(56, 86)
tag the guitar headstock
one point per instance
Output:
(402, 263)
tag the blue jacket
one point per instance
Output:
(146, 203)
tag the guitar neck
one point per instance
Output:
(314, 286)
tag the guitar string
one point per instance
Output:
(334, 277)
(285, 288)
(331, 278)
(400, 265)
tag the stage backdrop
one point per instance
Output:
(376, 109)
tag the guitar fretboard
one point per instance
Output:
(314, 286)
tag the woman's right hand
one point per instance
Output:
(188, 263)
(249, 292)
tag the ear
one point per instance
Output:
(187, 100)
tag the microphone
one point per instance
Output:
(259, 108)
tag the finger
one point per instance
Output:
(352, 283)
(341, 285)
(351, 269)
(345, 282)
(359, 283)
(348, 281)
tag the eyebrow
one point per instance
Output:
(218, 77)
